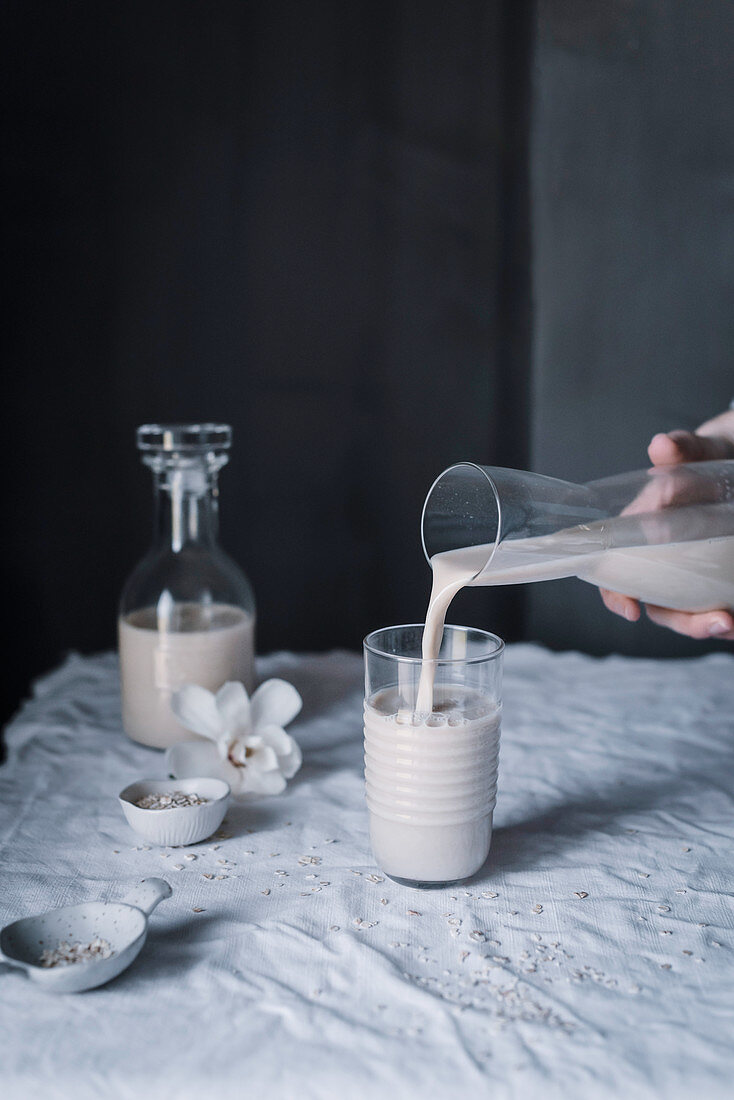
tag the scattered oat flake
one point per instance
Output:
(334, 928)
(266, 891)
(687, 952)
(384, 901)
(685, 849)
(665, 966)
(375, 878)
(715, 943)
(190, 855)
(489, 894)
(355, 872)
(477, 936)
(221, 876)
(412, 912)
(309, 861)
(681, 891)
(115, 851)
(665, 932)
(178, 866)
(198, 910)
(206, 874)
(663, 908)
(581, 893)
(537, 908)
(281, 874)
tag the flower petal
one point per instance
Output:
(290, 764)
(196, 759)
(196, 709)
(289, 753)
(237, 751)
(275, 703)
(233, 704)
(263, 759)
(276, 737)
(257, 782)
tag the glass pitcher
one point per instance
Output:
(187, 612)
(664, 535)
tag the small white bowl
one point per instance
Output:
(182, 824)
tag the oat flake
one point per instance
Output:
(67, 953)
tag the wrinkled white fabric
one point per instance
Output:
(298, 980)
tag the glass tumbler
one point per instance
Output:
(431, 778)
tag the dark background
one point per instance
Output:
(376, 238)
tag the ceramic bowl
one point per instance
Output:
(182, 824)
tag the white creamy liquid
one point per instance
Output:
(212, 645)
(695, 575)
(431, 783)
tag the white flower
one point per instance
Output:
(245, 744)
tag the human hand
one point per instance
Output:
(713, 440)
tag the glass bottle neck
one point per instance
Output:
(186, 507)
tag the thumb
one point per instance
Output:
(671, 448)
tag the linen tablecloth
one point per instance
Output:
(593, 956)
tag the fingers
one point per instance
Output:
(671, 448)
(700, 624)
(621, 605)
(697, 624)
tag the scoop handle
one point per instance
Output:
(146, 894)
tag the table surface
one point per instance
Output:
(592, 956)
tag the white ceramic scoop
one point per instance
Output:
(123, 924)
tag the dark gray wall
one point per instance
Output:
(293, 217)
(633, 255)
(315, 221)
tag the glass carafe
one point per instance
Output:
(664, 535)
(187, 612)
